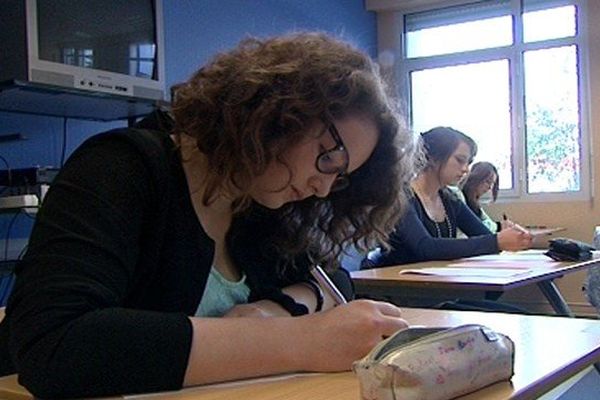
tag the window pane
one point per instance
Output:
(145, 69)
(147, 51)
(552, 118)
(551, 23)
(473, 98)
(473, 35)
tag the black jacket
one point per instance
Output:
(116, 262)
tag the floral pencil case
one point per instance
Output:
(435, 363)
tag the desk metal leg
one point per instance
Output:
(555, 299)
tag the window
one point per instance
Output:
(78, 57)
(509, 74)
(141, 60)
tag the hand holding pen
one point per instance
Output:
(514, 237)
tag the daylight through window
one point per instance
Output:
(509, 75)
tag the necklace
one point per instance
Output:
(438, 229)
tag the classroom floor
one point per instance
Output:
(583, 386)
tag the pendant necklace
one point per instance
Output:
(438, 229)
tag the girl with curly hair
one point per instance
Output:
(275, 156)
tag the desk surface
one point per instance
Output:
(575, 346)
(529, 267)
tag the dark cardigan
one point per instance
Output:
(116, 263)
(414, 238)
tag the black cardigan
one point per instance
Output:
(414, 239)
(116, 262)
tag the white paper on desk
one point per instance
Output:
(500, 264)
(524, 255)
(467, 272)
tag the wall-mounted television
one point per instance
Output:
(97, 46)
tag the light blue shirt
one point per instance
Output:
(220, 295)
(485, 218)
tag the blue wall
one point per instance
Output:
(197, 29)
(194, 31)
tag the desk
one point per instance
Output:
(537, 370)
(534, 265)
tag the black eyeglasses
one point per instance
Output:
(335, 161)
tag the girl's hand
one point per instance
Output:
(514, 239)
(332, 340)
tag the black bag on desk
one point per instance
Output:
(564, 249)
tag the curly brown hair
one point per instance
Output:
(248, 105)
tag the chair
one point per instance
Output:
(6, 284)
(591, 286)
(351, 259)
(7, 280)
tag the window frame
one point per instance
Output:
(390, 25)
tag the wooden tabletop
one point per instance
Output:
(575, 344)
(532, 267)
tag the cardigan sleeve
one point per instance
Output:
(71, 333)
(268, 272)
(411, 242)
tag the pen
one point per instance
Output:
(520, 228)
(515, 226)
(326, 283)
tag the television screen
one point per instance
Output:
(92, 34)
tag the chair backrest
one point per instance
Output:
(6, 284)
(351, 259)
(591, 286)
(7, 280)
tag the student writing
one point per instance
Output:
(481, 179)
(106, 296)
(428, 230)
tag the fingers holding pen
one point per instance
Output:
(371, 316)
(526, 239)
(387, 318)
(514, 238)
(384, 308)
(348, 332)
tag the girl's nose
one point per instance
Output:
(321, 184)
